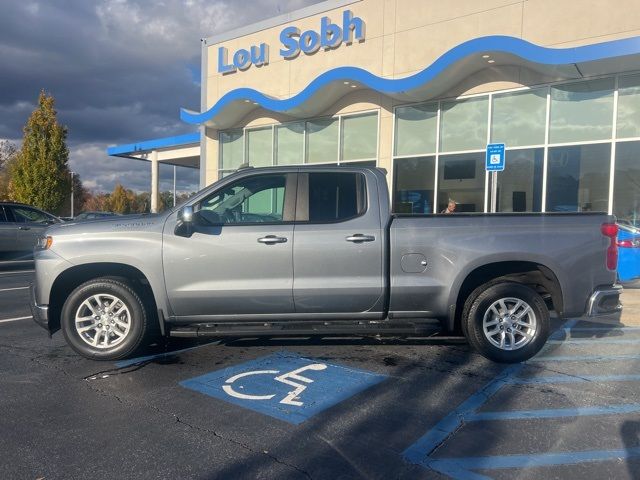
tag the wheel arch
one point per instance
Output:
(75, 276)
(532, 273)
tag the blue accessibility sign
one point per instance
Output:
(495, 157)
(284, 385)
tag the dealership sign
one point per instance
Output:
(293, 42)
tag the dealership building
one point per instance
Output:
(420, 87)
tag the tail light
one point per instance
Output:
(610, 230)
(629, 243)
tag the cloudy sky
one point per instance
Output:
(119, 70)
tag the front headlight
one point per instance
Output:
(44, 242)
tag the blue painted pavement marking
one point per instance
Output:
(583, 358)
(553, 413)
(591, 341)
(459, 468)
(575, 379)
(284, 385)
(449, 424)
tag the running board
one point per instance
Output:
(382, 327)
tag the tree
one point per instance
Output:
(119, 201)
(8, 153)
(40, 175)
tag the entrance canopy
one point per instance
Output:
(180, 150)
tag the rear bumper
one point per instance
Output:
(604, 301)
(40, 312)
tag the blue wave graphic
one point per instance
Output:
(491, 44)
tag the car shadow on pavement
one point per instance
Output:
(630, 433)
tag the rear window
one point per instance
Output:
(336, 196)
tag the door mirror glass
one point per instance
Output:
(186, 214)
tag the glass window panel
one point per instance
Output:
(461, 179)
(628, 123)
(581, 111)
(336, 196)
(322, 141)
(626, 193)
(414, 182)
(416, 129)
(519, 119)
(359, 136)
(232, 149)
(578, 178)
(464, 124)
(290, 144)
(520, 184)
(249, 200)
(259, 147)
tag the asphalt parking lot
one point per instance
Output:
(337, 408)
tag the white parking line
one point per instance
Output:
(16, 272)
(14, 288)
(7, 320)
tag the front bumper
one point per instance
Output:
(40, 312)
(604, 301)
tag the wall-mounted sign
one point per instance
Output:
(293, 42)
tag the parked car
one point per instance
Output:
(20, 227)
(629, 253)
(315, 250)
(94, 216)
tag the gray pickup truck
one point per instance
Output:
(316, 250)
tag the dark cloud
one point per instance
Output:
(119, 70)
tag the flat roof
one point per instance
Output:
(154, 144)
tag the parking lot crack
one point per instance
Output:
(179, 420)
(239, 444)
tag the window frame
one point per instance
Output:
(303, 195)
(289, 202)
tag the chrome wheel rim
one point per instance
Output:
(103, 321)
(509, 323)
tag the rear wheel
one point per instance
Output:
(506, 321)
(104, 319)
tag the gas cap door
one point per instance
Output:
(413, 263)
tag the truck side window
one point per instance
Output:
(334, 197)
(3, 216)
(258, 199)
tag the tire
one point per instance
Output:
(490, 314)
(111, 331)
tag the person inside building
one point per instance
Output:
(451, 207)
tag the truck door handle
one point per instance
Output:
(271, 239)
(24, 228)
(358, 237)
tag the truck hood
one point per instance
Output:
(129, 223)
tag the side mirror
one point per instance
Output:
(184, 228)
(185, 215)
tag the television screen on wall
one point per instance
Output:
(460, 169)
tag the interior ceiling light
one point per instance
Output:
(346, 83)
(491, 61)
(486, 56)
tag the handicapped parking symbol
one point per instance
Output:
(291, 378)
(284, 385)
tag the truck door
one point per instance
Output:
(338, 245)
(238, 258)
(8, 232)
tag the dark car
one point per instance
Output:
(20, 227)
(94, 216)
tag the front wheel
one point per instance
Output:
(104, 319)
(506, 322)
